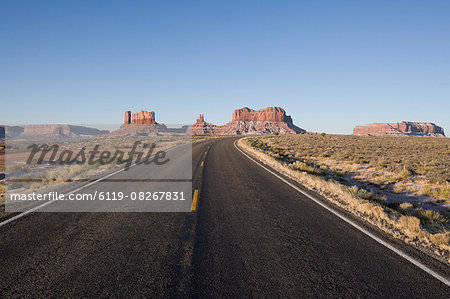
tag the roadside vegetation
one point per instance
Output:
(399, 184)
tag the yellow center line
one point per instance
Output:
(194, 201)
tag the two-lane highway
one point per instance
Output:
(251, 236)
(101, 254)
(257, 236)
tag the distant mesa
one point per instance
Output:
(404, 128)
(270, 120)
(51, 131)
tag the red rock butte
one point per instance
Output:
(140, 118)
(275, 114)
(200, 119)
(404, 128)
(201, 127)
(270, 120)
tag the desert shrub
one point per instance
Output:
(405, 207)
(445, 192)
(359, 193)
(441, 192)
(410, 224)
(300, 166)
(429, 216)
(436, 192)
(423, 170)
(440, 238)
(405, 174)
(426, 190)
(391, 179)
(339, 173)
(382, 163)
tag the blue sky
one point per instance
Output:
(330, 64)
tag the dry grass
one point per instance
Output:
(401, 223)
(405, 156)
(392, 166)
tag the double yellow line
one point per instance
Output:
(195, 196)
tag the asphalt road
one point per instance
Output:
(251, 236)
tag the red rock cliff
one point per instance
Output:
(404, 128)
(270, 120)
(140, 118)
(127, 117)
(273, 114)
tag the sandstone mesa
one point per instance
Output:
(244, 121)
(51, 131)
(142, 123)
(270, 120)
(404, 128)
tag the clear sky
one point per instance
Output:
(330, 64)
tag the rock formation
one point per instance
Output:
(140, 118)
(50, 131)
(270, 120)
(140, 124)
(203, 128)
(271, 114)
(127, 117)
(200, 119)
(404, 128)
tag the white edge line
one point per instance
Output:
(76, 190)
(355, 225)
